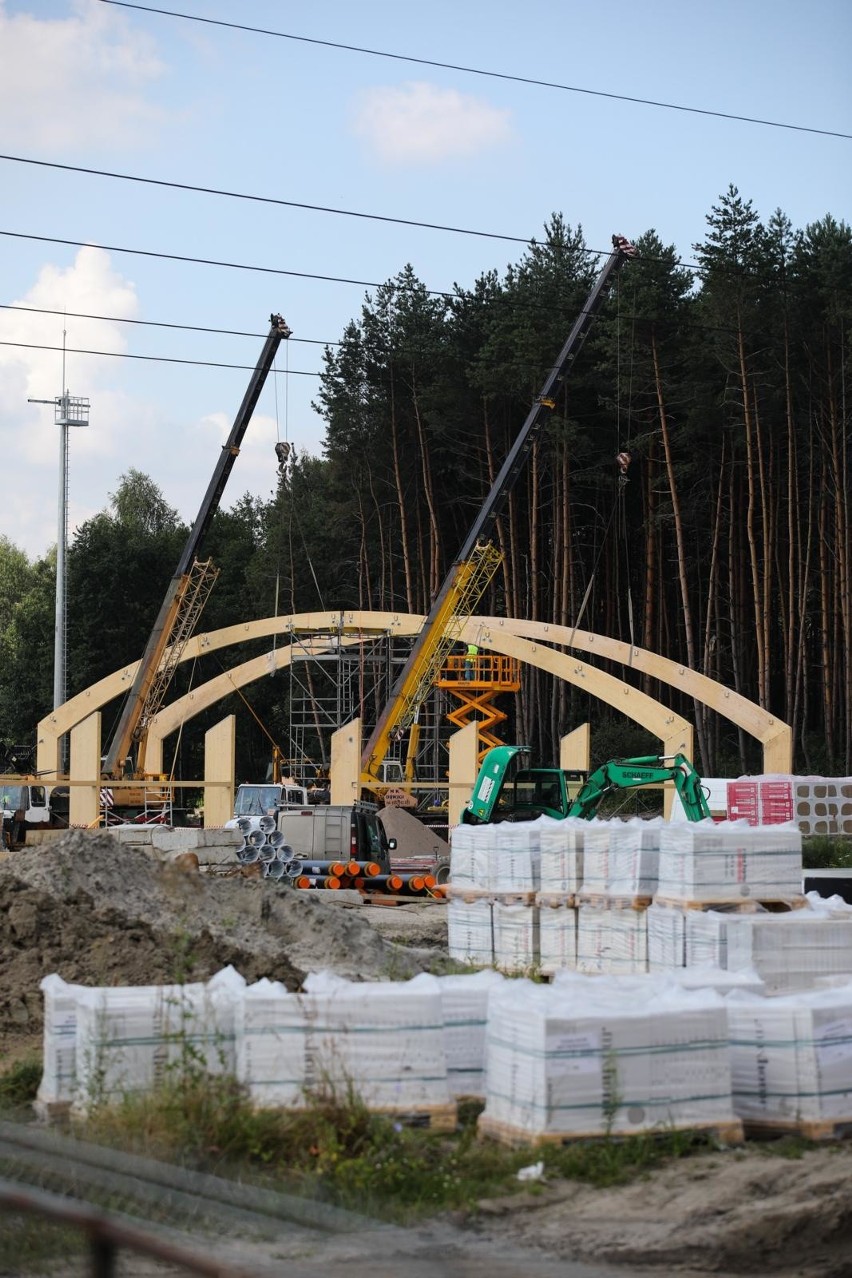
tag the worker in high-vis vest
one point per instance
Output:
(470, 661)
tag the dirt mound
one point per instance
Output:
(103, 914)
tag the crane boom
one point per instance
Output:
(191, 582)
(428, 650)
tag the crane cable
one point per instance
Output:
(624, 458)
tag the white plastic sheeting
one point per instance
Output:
(557, 930)
(611, 940)
(59, 1069)
(464, 1008)
(730, 861)
(470, 937)
(382, 1041)
(788, 951)
(623, 861)
(561, 851)
(130, 1039)
(585, 1057)
(791, 1057)
(516, 936)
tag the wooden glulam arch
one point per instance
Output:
(774, 735)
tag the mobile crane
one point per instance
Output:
(478, 559)
(187, 592)
(505, 791)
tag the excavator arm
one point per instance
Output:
(626, 774)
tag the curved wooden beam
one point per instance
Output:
(773, 733)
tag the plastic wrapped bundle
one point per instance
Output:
(132, 1039)
(557, 931)
(710, 862)
(791, 1060)
(516, 940)
(596, 857)
(384, 1039)
(788, 951)
(611, 940)
(472, 848)
(666, 937)
(634, 857)
(583, 1058)
(272, 1058)
(464, 1009)
(59, 1066)
(516, 861)
(561, 852)
(470, 936)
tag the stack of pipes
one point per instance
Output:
(265, 844)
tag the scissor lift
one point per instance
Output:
(476, 682)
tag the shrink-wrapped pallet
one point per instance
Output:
(626, 863)
(383, 1040)
(59, 1056)
(611, 940)
(789, 951)
(791, 1058)
(471, 853)
(584, 1058)
(470, 937)
(516, 936)
(561, 849)
(711, 862)
(464, 1009)
(516, 862)
(557, 932)
(666, 937)
(274, 1055)
(135, 1038)
(596, 857)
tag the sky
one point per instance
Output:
(282, 118)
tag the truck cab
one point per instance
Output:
(268, 800)
(23, 806)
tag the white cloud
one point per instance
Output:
(28, 434)
(418, 123)
(76, 79)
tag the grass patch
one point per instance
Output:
(19, 1083)
(827, 852)
(339, 1151)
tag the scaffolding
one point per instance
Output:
(334, 679)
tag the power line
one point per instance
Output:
(479, 71)
(154, 359)
(269, 199)
(185, 328)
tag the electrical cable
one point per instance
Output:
(478, 71)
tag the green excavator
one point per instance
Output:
(508, 789)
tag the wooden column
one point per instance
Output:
(464, 766)
(219, 764)
(575, 750)
(85, 765)
(346, 763)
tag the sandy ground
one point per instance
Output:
(97, 918)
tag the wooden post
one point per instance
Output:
(464, 766)
(346, 763)
(84, 765)
(219, 763)
(575, 750)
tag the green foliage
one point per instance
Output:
(19, 1083)
(827, 852)
(360, 1160)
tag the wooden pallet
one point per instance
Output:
(555, 900)
(743, 905)
(514, 898)
(808, 1129)
(729, 1133)
(600, 901)
(436, 1118)
(467, 893)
